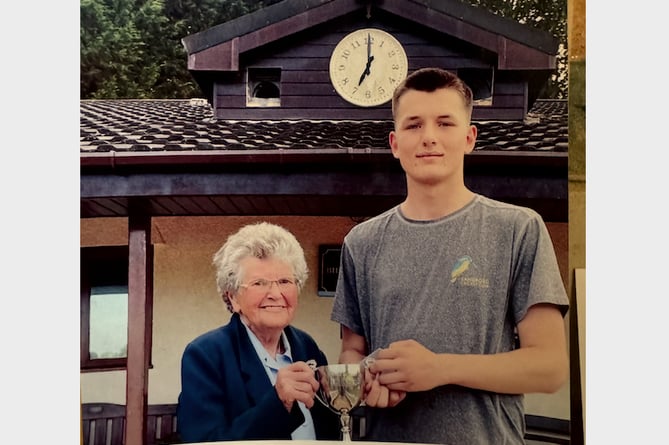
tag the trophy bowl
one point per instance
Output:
(341, 389)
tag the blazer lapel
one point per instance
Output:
(252, 369)
(297, 348)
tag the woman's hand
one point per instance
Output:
(296, 383)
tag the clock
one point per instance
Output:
(366, 66)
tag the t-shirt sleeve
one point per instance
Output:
(536, 275)
(346, 308)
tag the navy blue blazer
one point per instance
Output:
(226, 394)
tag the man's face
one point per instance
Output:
(432, 135)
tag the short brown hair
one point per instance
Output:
(431, 79)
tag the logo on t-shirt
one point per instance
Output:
(461, 266)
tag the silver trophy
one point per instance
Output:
(341, 390)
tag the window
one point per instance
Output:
(329, 256)
(104, 308)
(108, 327)
(481, 81)
(263, 87)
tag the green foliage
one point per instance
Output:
(116, 59)
(132, 48)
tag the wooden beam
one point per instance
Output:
(471, 24)
(224, 55)
(299, 22)
(516, 56)
(140, 315)
(536, 172)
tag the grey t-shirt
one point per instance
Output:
(459, 284)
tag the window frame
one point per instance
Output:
(96, 262)
(258, 75)
(474, 77)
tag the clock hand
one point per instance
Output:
(362, 77)
(370, 58)
(366, 72)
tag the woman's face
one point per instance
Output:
(267, 299)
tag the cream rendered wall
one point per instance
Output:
(186, 303)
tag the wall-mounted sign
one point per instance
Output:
(328, 269)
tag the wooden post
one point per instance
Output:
(140, 318)
(577, 187)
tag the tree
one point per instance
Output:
(132, 48)
(116, 60)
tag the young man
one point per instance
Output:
(443, 282)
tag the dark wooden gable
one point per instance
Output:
(296, 39)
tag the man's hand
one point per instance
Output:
(296, 382)
(379, 396)
(406, 365)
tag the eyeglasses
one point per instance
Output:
(262, 285)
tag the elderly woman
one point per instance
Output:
(248, 380)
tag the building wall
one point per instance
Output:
(186, 303)
(306, 89)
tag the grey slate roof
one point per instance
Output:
(175, 125)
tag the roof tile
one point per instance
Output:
(187, 125)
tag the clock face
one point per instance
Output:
(366, 66)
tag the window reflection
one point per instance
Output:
(108, 322)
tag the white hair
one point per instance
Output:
(260, 240)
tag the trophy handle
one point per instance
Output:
(326, 404)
